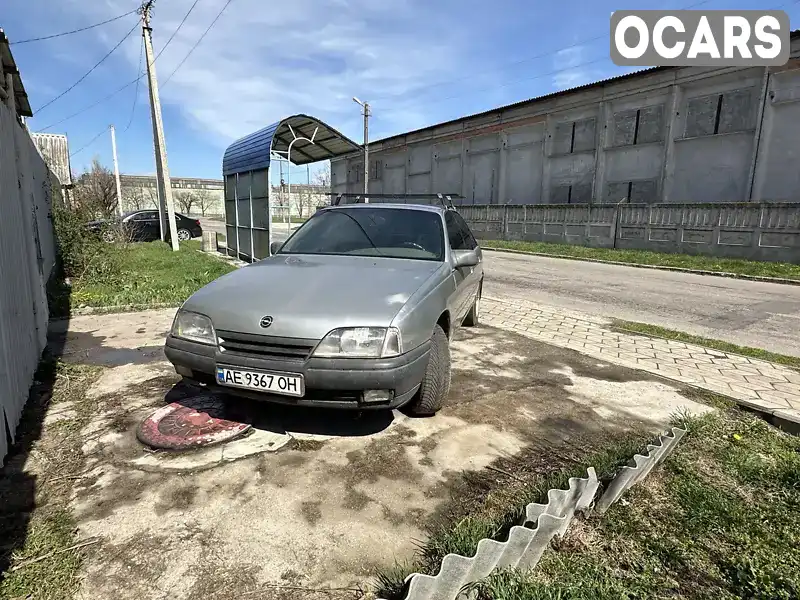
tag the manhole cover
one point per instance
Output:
(192, 423)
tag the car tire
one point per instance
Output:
(436, 383)
(184, 235)
(108, 236)
(473, 316)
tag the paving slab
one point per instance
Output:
(771, 388)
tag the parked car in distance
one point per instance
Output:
(143, 226)
(355, 310)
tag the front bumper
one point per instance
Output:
(329, 382)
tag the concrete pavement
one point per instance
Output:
(766, 387)
(747, 313)
(217, 225)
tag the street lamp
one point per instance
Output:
(366, 113)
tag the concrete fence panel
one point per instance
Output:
(754, 231)
(27, 257)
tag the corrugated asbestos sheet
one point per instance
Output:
(54, 148)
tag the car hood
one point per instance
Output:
(308, 296)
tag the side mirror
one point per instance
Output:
(274, 247)
(465, 258)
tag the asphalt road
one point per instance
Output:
(279, 233)
(748, 313)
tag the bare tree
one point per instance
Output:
(134, 198)
(186, 200)
(151, 194)
(322, 177)
(95, 191)
(205, 200)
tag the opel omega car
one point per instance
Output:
(355, 310)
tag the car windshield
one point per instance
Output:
(376, 232)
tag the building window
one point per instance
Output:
(639, 126)
(574, 136)
(729, 112)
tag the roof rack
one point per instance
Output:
(446, 200)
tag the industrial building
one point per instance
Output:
(661, 135)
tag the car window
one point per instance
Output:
(376, 232)
(148, 215)
(455, 235)
(469, 239)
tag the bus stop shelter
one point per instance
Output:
(245, 168)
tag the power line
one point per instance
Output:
(174, 33)
(202, 37)
(89, 143)
(91, 106)
(136, 93)
(555, 72)
(57, 35)
(85, 75)
(127, 85)
(513, 64)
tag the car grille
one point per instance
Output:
(265, 346)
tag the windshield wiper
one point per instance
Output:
(364, 231)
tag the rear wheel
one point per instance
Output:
(184, 235)
(436, 384)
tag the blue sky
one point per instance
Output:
(418, 62)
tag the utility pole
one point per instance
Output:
(366, 113)
(116, 170)
(162, 170)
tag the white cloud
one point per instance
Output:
(263, 61)
(570, 72)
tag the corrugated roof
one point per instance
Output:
(792, 35)
(10, 66)
(253, 151)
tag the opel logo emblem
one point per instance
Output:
(266, 321)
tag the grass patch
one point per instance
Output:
(293, 219)
(644, 257)
(720, 519)
(671, 334)
(502, 508)
(36, 485)
(143, 274)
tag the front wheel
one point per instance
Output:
(436, 383)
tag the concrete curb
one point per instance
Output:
(122, 308)
(780, 280)
(542, 522)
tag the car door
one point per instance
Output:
(144, 226)
(475, 275)
(455, 237)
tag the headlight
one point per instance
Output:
(361, 342)
(194, 327)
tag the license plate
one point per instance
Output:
(287, 384)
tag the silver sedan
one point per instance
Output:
(355, 310)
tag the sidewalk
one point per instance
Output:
(756, 384)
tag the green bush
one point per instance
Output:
(80, 252)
